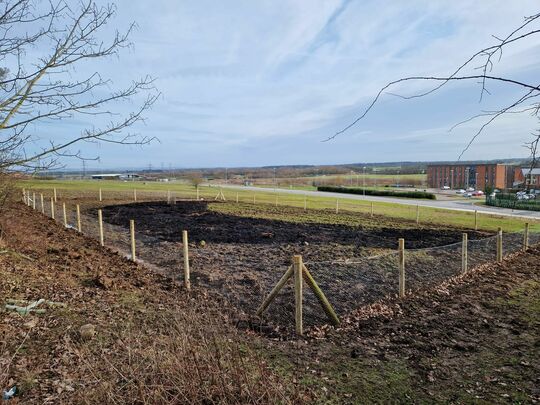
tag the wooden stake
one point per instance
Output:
(475, 220)
(417, 213)
(464, 254)
(337, 206)
(135, 194)
(34, 200)
(42, 204)
(371, 209)
(100, 221)
(24, 195)
(305, 203)
(401, 250)
(54, 191)
(526, 237)
(197, 193)
(275, 290)
(132, 238)
(100, 195)
(499, 245)
(64, 214)
(52, 208)
(168, 196)
(253, 198)
(79, 227)
(297, 266)
(236, 197)
(320, 296)
(187, 281)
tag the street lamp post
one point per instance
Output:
(364, 180)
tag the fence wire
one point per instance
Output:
(245, 275)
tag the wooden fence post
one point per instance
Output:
(197, 193)
(417, 213)
(79, 227)
(52, 208)
(42, 204)
(237, 198)
(297, 268)
(337, 205)
(135, 194)
(185, 246)
(401, 252)
(100, 221)
(526, 237)
(371, 209)
(305, 203)
(100, 195)
(253, 198)
(464, 253)
(64, 214)
(54, 191)
(499, 245)
(168, 196)
(24, 195)
(132, 238)
(475, 220)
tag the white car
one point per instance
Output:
(460, 191)
(467, 195)
(470, 189)
(445, 188)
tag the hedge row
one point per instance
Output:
(513, 203)
(385, 193)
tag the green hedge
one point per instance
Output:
(511, 201)
(385, 193)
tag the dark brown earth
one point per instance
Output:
(166, 222)
(243, 257)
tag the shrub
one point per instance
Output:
(385, 193)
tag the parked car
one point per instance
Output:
(470, 189)
(477, 193)
(467, 195)
(460, 191)
(445, 188)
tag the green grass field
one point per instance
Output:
(434, 216)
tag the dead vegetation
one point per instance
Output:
(152, 341)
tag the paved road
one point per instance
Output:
(459, 205)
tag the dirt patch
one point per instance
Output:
(242, 258)
(166, 222)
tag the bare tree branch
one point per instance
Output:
(43, 90)
(527, 102)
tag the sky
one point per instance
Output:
(253, 83)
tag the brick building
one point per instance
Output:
(526, 176)
(478, 176)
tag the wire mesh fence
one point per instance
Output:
(244, 273)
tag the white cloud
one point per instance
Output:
(242, 72)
